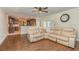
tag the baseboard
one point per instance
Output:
(2, 39)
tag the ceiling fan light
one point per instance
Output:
(40, 9)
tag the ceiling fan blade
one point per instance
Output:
(34, 10)
(45, 7)
(36, 7)
(46, 11)
(40, 9)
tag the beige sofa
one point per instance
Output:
(62, 35)
(35, 33)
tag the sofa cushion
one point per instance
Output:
(57, 28)
(36, 30)
(57, 31)
(69, 29)
(60, 37)
(68, 34)
(62, 42)
(54, 30)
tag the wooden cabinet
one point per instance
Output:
(27, 22)
(13, 25)
(31, 22)
(23, 21)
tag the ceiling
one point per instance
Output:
(27, 11)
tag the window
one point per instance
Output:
(38, 22)
(48, 23)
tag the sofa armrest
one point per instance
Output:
(72, 41)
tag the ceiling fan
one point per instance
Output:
(40, 9)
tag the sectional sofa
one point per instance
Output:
(62, 35)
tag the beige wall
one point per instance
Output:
(3, 26)
(73, 22)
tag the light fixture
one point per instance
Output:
(40, 9)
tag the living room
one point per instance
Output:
(55, 28)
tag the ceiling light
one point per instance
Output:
(40, 9)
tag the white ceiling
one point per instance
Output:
(27, 11)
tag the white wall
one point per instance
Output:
(74, 19)
(3, 26)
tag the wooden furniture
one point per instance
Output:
(31, 22)
(22, 21)
(13, 25)
(27, 22)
